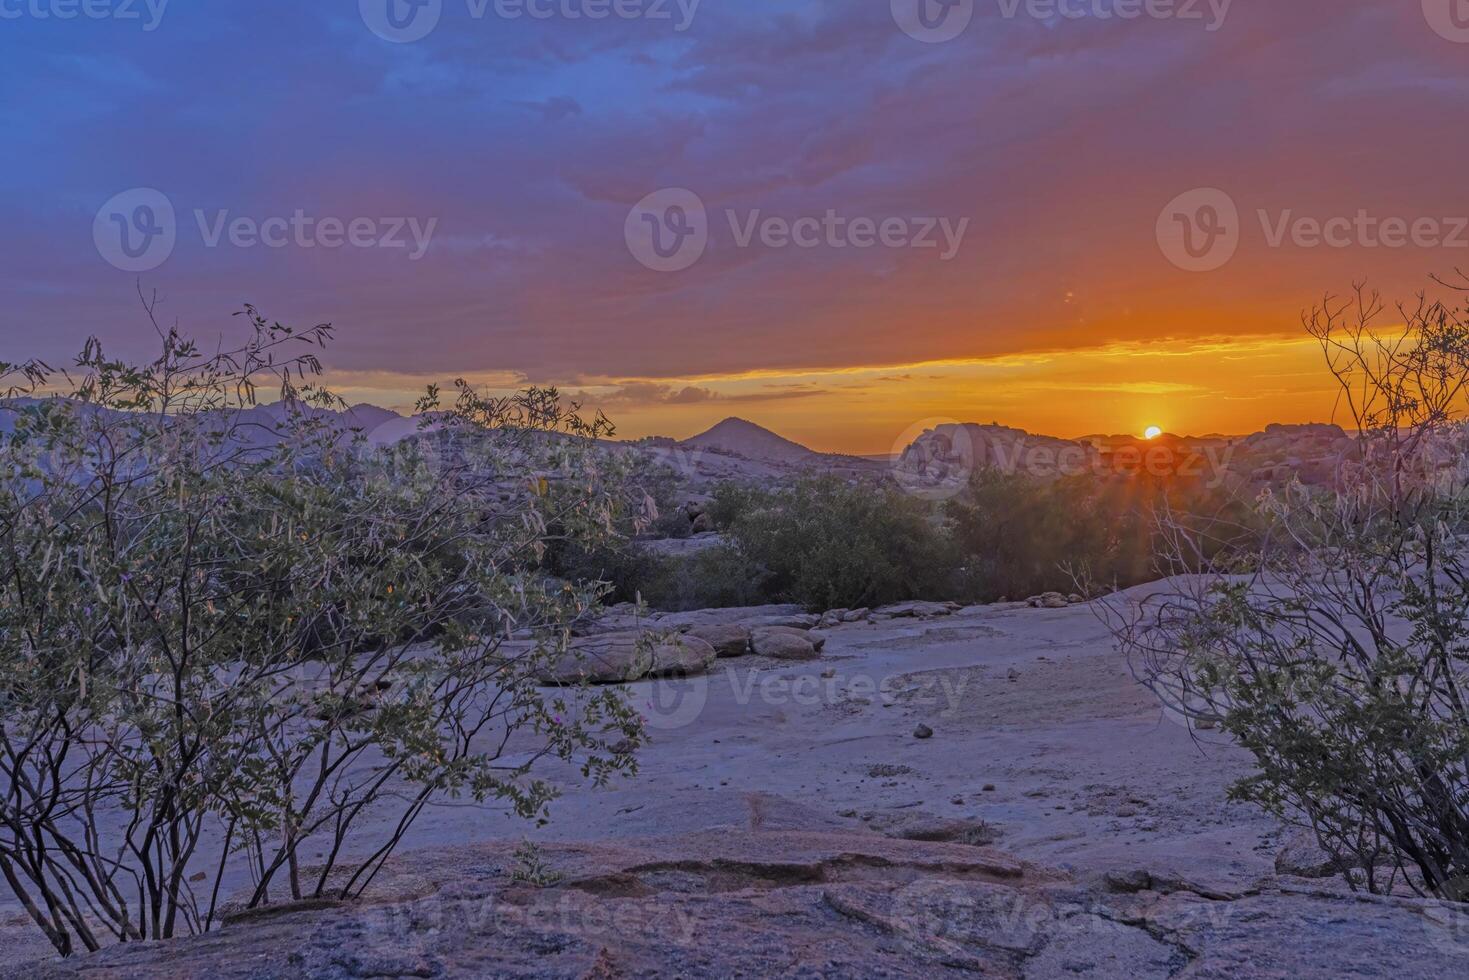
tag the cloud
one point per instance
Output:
(553, 109)
(529, 141)
(651, 393)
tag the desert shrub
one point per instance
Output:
(1021, 535)
(1018, 535)
(641, 496)
(1342, 661)
(624, 569)
(215, 624)
(713, 578)
(731, 501)
(826, 544)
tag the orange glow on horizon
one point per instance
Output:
(1203, 386)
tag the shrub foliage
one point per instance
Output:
(234, 636)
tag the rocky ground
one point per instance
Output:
(983, 791)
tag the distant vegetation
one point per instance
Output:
(826, 543)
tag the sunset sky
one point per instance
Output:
(524, 143)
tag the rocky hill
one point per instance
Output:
(740, 438)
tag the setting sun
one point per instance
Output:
(1152, 432)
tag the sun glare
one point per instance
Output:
(1152, 432)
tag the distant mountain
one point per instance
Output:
(750, 441)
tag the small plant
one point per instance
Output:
(531, 867)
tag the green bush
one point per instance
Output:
(714, 578)
(828, 544)
(1020, 535)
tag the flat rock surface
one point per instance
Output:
(787, 903)
(755, 841)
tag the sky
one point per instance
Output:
(846, 220)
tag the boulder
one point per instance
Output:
(727, 639)
(783, 644)
(857, 615)
(611, 658)
(1048, 600)
(796, 621)
(832, 617)
(920, 610)
(747, 616)
(815, 639)
(679, 655)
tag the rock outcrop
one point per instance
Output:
(680, 655)
(727, 639)
(609, 658)
(942, 459)
(796, 903)
(783, 644)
